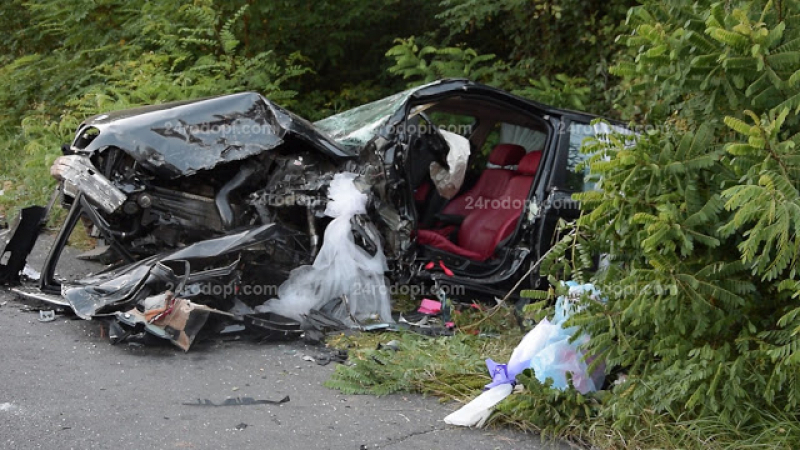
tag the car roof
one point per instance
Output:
(431, 91)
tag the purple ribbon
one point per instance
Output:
(499, 373)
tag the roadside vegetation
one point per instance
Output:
(700, 217)
(62, 61)
(700, 220)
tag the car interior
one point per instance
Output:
(506, 148)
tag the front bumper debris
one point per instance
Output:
(79, 175)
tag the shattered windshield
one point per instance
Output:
(355, 127)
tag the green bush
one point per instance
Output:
(157, 55)
(429, 63)
(698, 219)
(701, 217)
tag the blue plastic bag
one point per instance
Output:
(547, 350)
(533, 342)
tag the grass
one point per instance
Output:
(23, 188)
(11, 203)
(453, 368)
(81, 239)
(446, 367)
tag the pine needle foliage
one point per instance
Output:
(697, 221)
(700, 217)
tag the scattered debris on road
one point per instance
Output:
(332, 355)
(238, 401)
(47, 316)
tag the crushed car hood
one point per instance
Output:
(179, 139)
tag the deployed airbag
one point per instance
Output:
(341, 269)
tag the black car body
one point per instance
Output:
(232, 189)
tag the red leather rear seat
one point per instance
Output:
(484, 229)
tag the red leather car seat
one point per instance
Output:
(483, 230)
(492, 182)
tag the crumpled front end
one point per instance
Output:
(184, 138)
(204, 209)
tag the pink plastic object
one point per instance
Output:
(430, 307)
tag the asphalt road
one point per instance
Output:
(63, 386)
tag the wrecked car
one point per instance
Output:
(202, 201)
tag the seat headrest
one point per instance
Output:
(530, 163)
(506, 154)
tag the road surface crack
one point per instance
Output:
(409, 436)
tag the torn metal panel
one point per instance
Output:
(112, 290)
(79, 175)
(17, 243)
(35, 294)
(221, 246)
(182, 138)
(273, 327)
